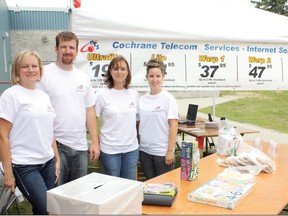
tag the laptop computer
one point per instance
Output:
(191, 115)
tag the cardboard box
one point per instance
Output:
(189, 160)
(223, 191)
(96, 193)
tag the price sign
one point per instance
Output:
(284, 62)
(174, 68)
(98, 71)
(191, 66)
(261, 71)
(175, 72)
(210, 71)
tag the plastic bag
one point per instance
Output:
(249, 160)
(232, 173)
(229, 140)
(253, 170)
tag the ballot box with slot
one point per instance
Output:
(96, 193)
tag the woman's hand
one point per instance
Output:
(57, 170)
(94, 151)
(169, 158)
(9, 181)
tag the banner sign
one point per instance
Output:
(191, 66)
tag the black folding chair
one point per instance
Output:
(7, 198)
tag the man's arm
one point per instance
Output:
(93, 131)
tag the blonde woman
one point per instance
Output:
(27, 145)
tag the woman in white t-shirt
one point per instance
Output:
(117, 104)
(27, 146)
(158, 111)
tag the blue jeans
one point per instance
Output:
(34, 181)
(121, 165)
(154, 165)
(73, 164)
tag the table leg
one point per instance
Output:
(208, 145)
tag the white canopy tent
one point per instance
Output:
(245, 46)
(183, 20)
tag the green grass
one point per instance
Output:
(266, 109)
(24, 207)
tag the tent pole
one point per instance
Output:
(214, 114)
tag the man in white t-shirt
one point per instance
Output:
(73, 99)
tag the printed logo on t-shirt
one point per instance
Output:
(156, 109)
(80, 88)
(132, 105)
(49, 109)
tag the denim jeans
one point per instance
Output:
(73, 164)
(154, 165)
(34, 181)
(121, 165)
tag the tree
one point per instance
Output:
(275, 6)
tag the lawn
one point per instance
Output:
(267, 109)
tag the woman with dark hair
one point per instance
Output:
(158, 111)
(119, 149)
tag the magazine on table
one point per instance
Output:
(167, 188)
(159, 194)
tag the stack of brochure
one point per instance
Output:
(159, 194)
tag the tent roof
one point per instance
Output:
(38, 5)
(185, 20)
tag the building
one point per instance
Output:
(5, 53)
(28, 28)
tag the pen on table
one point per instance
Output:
(98, 186)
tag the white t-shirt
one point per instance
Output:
(118, 109)
(70, 93)
(32, 115)
(154, 112)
